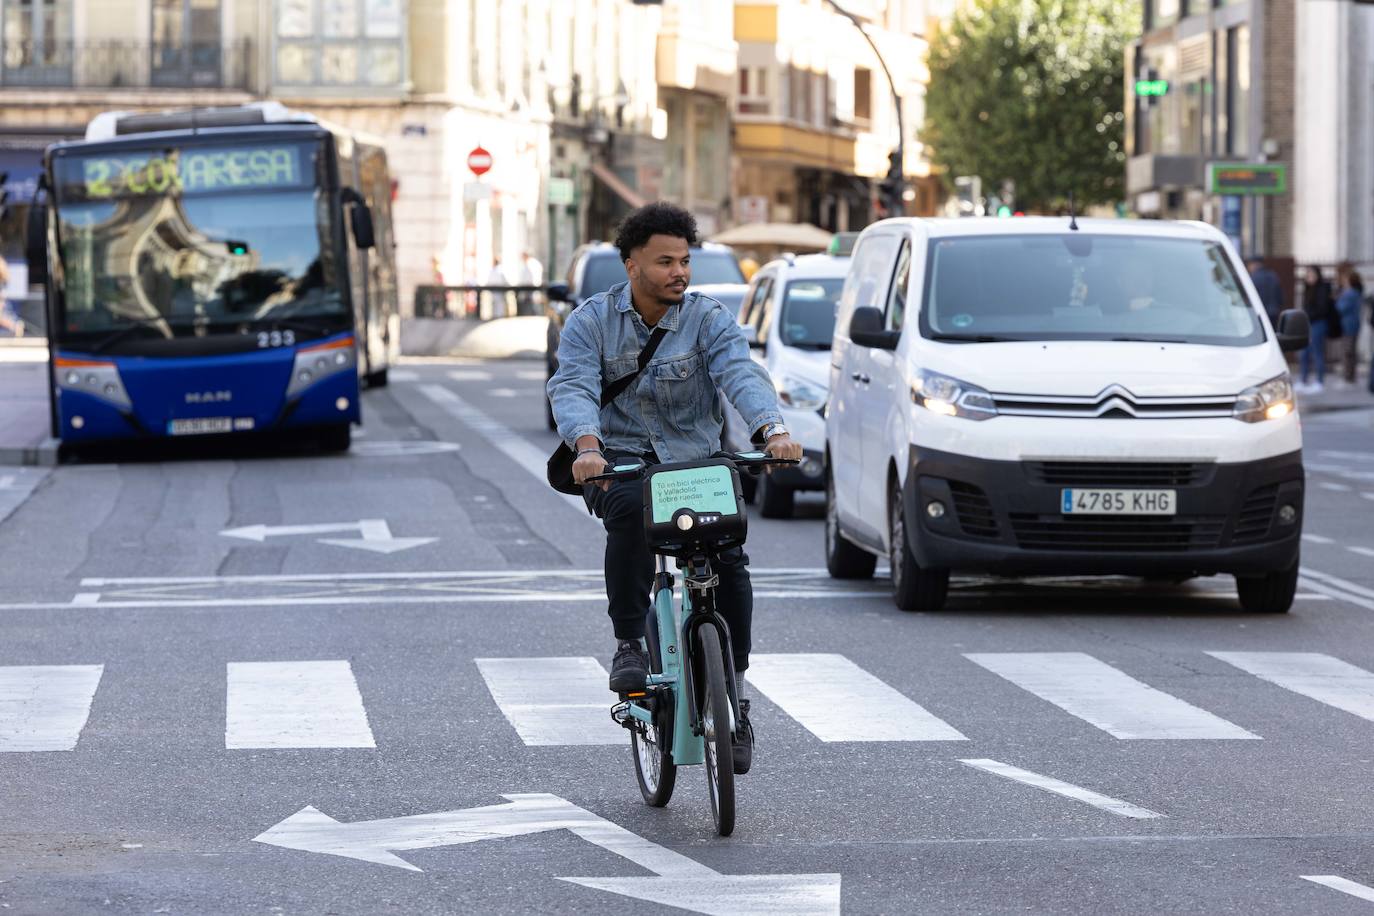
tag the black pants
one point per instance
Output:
(630, 570)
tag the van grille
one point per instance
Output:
(1116, 473)
(1117, 534)
(975, 513)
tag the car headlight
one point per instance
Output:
(1271, 400)
(795, 392)
(951, 397)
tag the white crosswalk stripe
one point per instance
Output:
(1321, 677)
(297, 704)
(836, 700)
(45, 707)
(554, 700)
(1107, 698)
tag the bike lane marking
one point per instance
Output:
(1319, 677)
(553, 701)
(1344, 885)
(1107, 698)
(45, 707)
(823, 692)
(676, 880)
(296, 704)
(1059, 787)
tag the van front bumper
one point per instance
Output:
(1004, 517)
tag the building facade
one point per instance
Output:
(1282, 88)
(815, 119)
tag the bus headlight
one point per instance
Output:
(320, 361)
(951, 397)
(1271, 400)
(97, 378)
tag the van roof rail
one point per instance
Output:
(110, 124)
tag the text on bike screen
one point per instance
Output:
(192, 170)
(703, 490)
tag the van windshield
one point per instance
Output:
(1079, 286)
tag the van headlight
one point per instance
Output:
(1271, 400)
(794, 392)
(951, 397)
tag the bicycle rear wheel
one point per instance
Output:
(652, 745)
(716, 728)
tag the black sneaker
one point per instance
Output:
(744, 740)
(629, 668)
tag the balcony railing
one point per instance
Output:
(127, 65)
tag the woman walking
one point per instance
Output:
(1316, 302)
(1348, 306)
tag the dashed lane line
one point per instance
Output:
(1338, 588)
(1067, 789)
(1317, 538)
(1362, 551)
(1344, 885)
(1335, 487)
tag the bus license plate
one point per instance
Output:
(1118, 502)
(199, 426)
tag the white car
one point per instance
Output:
(788, 317)
(1055, 397)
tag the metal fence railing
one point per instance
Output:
(479, 302)
(127, 64)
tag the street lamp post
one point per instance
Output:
(894, 185)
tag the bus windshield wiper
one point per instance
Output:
(116, 336)
(300, 323)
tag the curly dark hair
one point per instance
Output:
(660, 218)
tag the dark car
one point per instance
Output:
(597, 267)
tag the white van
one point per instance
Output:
(1039, 396)
(788, 317)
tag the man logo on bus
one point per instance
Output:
(208, 397)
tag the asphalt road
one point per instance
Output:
(196, 648)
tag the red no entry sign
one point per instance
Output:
(479, 160)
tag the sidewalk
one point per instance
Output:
(1338, 396)
(24, 438)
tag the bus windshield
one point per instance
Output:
(195, 239)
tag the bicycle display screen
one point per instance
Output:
(705, 490)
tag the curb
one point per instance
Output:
(42, 454)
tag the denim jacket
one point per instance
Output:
(673, 408)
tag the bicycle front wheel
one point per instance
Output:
(716, 728)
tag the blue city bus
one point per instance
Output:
(224, 271)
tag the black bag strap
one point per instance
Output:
(619, 385)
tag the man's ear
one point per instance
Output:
(631, 268)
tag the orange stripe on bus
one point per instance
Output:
(332, 345)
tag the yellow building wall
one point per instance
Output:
(754, 22)
(795, 145)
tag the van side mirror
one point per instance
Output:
(1294, 330)
(36, 242)
(558, 292)
(751, 337)
(866, 329)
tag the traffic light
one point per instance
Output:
(893, 186)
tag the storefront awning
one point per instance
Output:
(622, 190)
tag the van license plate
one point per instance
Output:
(1118, 502)
(199, 426)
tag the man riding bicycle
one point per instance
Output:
(671, 412)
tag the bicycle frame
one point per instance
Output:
(676, 625)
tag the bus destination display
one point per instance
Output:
(184, 171)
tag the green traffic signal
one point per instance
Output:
(1154, 88)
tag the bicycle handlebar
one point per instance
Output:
(749, 461)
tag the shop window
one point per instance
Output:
(863, 94)
(186, 47)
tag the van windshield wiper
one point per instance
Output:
(116, 336)
(976, 338)
(1177, 340)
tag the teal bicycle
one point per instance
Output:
(693, 512)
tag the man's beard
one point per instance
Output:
(670, 296)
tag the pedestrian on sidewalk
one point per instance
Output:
(1268, 286)
(1349, 305)
(1316, 302)
(9, 309)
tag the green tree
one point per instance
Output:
(1032, 91)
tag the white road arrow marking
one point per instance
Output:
(679, 881)
(376, 534)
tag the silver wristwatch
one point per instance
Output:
(773, 429)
